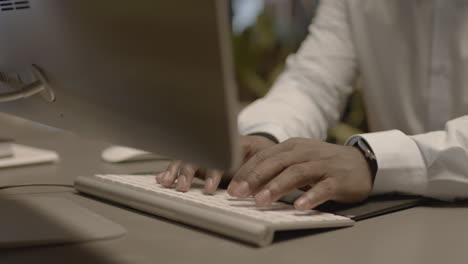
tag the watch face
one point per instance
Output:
(362, 145)
(369, 154)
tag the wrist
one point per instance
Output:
(368, 154)
(267, 136)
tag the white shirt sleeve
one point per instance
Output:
(309, 97)
(434, 164)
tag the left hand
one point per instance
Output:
(182, 173)
(328, 171)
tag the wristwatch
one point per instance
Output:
(362, 145)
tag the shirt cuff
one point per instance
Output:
(401, 167)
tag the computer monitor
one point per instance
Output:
(154, 75)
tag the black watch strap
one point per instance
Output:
(267, 135)
(366, 150)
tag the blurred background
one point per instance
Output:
(265, 32)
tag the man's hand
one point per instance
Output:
(183, 173)
(328, 171)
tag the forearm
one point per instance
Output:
(308, 98)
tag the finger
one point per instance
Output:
(269, 169)
(212, 180)
(259, 169)
(185, 178)
(168, 177)
(321, 192)
(294, 177)
(253, 144)
(160, 175)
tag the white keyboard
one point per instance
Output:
(220, 213)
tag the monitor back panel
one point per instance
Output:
(155, 75)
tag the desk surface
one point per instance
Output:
(425, 235)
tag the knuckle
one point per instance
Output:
(261, 156)
(297, 171)
(300, 179)
(290, 143)
(329, 188)
(188, 170)
(254, 176)
(279, 161)
(174, 165)
(217, 177)
(214, 173)
(297, 174)
(275, 188)
(245, 148)
(296, 143)
(296, 140)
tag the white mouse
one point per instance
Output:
(118, 154)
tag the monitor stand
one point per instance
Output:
(6, 149)
(29, 221)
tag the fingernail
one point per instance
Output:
(160, 176)
(181, 183)
(242, 190)
(167, 179)
(232, 186)
(263, 198)
(301, 204)
(210, 185)
(167, 176)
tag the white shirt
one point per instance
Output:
(413, 58)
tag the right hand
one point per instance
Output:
(250, 145)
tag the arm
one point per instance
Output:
(433, 165)
(309, 96)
